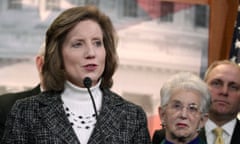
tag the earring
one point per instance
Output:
(163, 124)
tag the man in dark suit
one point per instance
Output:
(7, 100)
(223, 80)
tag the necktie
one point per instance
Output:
(218, 132)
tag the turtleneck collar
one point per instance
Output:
(74, 92)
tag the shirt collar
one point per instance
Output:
(228, 127)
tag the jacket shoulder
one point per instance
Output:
(12, 97)
(158, 136)
(121, 102)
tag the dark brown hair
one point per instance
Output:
(53, 72)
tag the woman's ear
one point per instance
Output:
(161, 112)
(39, 63)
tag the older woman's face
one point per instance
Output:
(84, 53)
(182, 116)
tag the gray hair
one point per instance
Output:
(186, 81)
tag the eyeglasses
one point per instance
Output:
(178, 106)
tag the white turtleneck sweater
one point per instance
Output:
(79, 108)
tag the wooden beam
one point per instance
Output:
(223, 14)
(203, 2)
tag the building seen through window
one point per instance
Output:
(166, 11)
(14, 4)
(130, 8)
(201, 16)
(53, 5)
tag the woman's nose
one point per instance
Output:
(90, 52)
(184, 112)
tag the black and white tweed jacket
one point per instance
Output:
(41, 119)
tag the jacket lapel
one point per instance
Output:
(53, 116)
(107, 123)
(202, 135)
(235, 137)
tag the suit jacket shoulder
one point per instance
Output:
(158, 136)
(111, 98)
(7, 101)
(236, 134)
(121, 121)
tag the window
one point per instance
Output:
(201, 16)
(130, 8)
(166, 11)
(78, 2)
(53, 5)
(14, 4)
(92, 2)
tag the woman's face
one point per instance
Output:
(182, 116)
(84, 53)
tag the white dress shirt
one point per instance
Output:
(228, 129)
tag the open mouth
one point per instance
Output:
(90, 67)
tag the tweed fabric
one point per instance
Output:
(7, 101)
(41, 119)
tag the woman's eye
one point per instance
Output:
(193, 108)
(76, 45)
(177, 106)
(98, 43)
